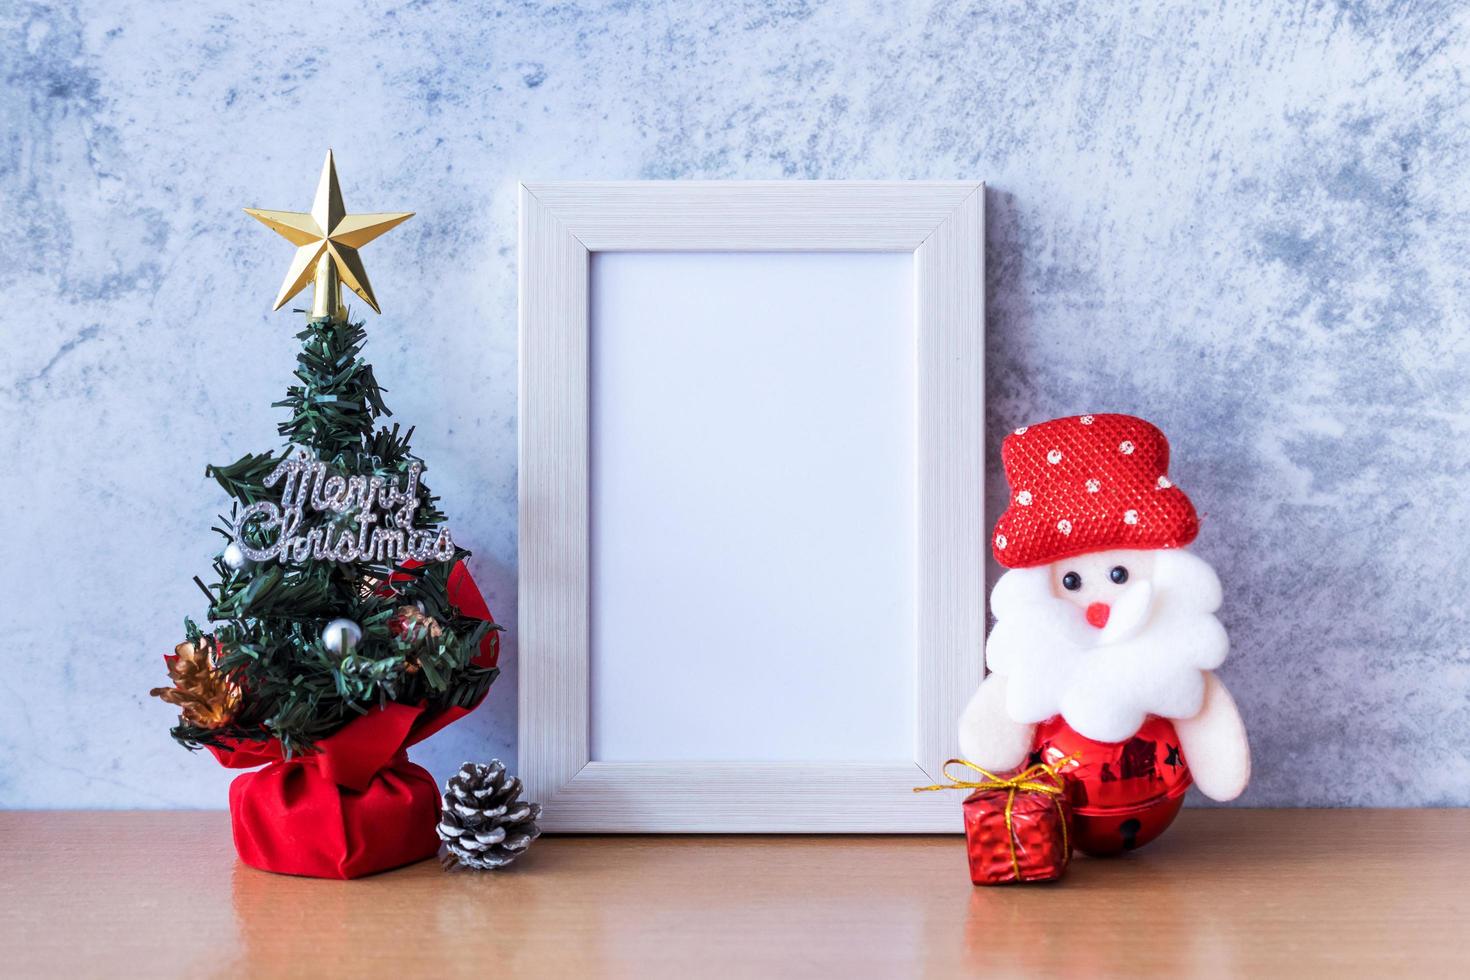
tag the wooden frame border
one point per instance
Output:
(561, 224)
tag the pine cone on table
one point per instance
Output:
(482, 823)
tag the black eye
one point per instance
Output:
(1119, 574)
(1072, 581)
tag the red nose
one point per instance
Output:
(1097, 614)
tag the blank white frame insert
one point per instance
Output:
(752, 507)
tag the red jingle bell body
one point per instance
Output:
(1123, 794)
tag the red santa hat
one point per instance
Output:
(1089, 483)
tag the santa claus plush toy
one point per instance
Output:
(1105, 634)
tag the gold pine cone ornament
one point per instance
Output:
(209, 699)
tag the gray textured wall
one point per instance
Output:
(1248, 223)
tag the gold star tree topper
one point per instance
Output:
(327, 239)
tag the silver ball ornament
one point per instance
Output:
(341, 636)
(234, 557)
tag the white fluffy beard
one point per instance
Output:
(1151, 658)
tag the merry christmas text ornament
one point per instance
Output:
(307, 483)
(1102, 656)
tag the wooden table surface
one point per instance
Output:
(1229, 892)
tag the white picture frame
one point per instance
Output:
(562, 226)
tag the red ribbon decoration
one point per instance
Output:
(354, 805)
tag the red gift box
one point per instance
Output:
(1017, 828)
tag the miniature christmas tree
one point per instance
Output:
(338, 592)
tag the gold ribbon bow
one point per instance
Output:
(1041, 778)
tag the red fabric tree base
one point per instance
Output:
(290, 819)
